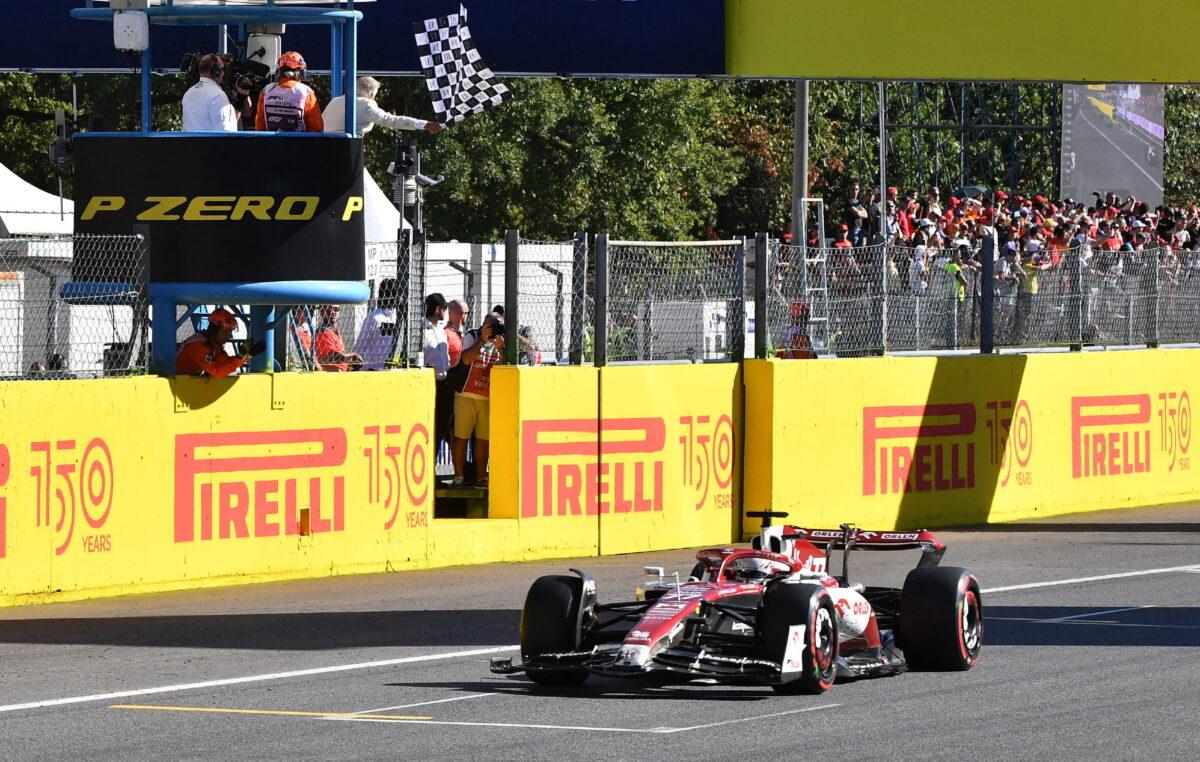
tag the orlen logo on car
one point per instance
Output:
(945, 463)
(561, 473)
(268, 506)
(1110, 435)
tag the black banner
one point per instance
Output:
(225, 209)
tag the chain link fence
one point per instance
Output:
(678, 301)
(97, 327)
(665, 302)
(552, 276)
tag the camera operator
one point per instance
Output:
(206, 106)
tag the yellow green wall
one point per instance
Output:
(1034, 40)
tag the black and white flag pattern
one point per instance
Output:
(458, 81)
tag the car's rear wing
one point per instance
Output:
(853, 538)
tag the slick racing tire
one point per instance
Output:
(805, 613)
(941, 619)
(550, 624)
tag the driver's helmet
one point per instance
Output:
(753, 569)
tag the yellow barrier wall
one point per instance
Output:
(671, 456)
(1028, 40)
(120, 486)
(130, 485)
(662, 472)
(910, 442)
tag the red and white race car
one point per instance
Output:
(770, 614)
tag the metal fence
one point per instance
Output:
(677, 301)
(97, 330)
(551, 284)
(871, 300)
(632, 301)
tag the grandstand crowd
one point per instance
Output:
(1034, 223)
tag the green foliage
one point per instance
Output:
(1181, 160)
(665, 159)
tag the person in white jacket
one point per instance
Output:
(368, 113)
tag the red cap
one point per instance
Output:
(1113, 211)
(1001, 195)
(954, 201)
(844, 228)
(892, 192)
(222, 317)
(1040, 199)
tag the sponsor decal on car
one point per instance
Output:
(793, 653)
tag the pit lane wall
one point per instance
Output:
(119, 486)
(902, 443)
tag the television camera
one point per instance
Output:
(246, 74)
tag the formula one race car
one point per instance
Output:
(770, 614)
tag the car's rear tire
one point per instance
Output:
(550, 624)
(785, 606)
(941, 619)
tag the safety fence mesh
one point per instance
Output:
(76, 306)
(870, 300)
(552, 278)
(54, 326)
(681, 301)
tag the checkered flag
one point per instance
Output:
(459, 83)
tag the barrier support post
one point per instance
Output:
(735, 324)
(761, 324)
(578, 288)
(987, 297)
(883, 297)
(512, 274)
(262, 326)
(600, 301)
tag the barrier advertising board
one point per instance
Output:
(223, 209)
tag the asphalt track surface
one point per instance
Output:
(1092, 650)
(1111, 157)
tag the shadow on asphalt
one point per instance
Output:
(1169, 626)
(277, 632)
(645, 688)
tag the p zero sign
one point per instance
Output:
(230, 209)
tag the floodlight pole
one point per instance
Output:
(800, 165)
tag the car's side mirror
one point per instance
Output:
(654, 571)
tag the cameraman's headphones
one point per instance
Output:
(216, 66)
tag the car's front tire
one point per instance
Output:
(785, 607)
(550, 624)
(941, 619)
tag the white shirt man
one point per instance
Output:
(368, 113)
(206, 108)
(435, 347)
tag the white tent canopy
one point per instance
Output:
(27, 210)
(380, 218)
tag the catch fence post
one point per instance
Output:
(761, 266)
(883, 296)
(512, 275)
(600, 317)
(1079, 291)
(1153, 338)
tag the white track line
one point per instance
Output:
(1089, 614)
(252, 679)
(1100, 578)
(524, 726)
(425, 703)
(748, 719)
(457, 654)
(1132, 160)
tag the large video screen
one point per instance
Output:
(1113, 141)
